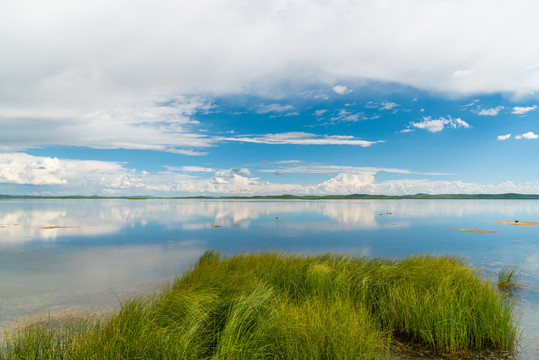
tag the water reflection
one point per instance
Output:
(24, 220)
(104, 248)
(94, 278)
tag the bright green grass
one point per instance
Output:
(508, 279)
(277, 306)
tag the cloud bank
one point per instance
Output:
(52, 176)
(156, 125)
(138, 46)
(116, 74)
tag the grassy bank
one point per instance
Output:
(276, 306)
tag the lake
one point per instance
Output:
(85, 255)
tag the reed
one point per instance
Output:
(276, 306)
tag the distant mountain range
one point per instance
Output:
(297, 197)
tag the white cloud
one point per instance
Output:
(388, 105)
(185, 152)
(533, 67)
(302, 138)
(190, 169)
(52, 176)
(67, 62)
(341, 90)
(371, 105)
(158, 125)
(522, 110)
(462, 73)
(347, 183)
(274, 108)
(320, 112)
(436, 125)
(504, 137)
(237, 176)
(529, 136)
(347, 116)
(335, 169)
(24, 169)
(491, 111)
(322, 96)
(280, 162)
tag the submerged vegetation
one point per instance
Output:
(277, 306)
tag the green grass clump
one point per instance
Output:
(508, 279)
(277, 306)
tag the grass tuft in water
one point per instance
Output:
(276, 306)
(508, 279)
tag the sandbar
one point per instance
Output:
(515, 222)
(59, 227)
(474, 230)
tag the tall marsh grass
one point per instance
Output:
(277, 306)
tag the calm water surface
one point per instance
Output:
(99, 250)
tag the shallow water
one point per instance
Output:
(84, 255)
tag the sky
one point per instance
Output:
(244, 97)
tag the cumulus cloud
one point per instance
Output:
(341, 90)
(347, 183)
(53, 176)
(24, 169)
(437, 125)
(302, 138)
(490, 112)
(364, 183)
(528, 136)
(504, 137)
(235, 176)
(523, 110)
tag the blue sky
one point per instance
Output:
(278, 97)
